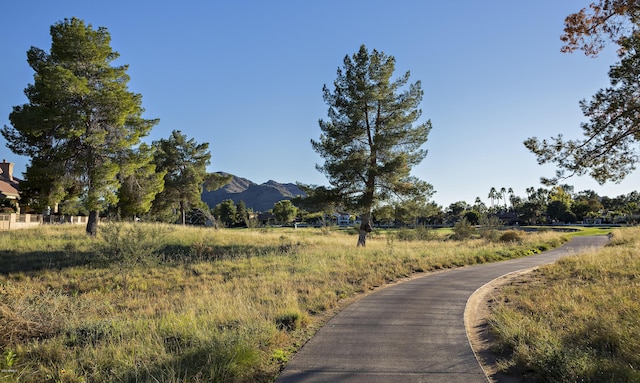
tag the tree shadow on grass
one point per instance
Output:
(29, 261)
(207, 253)
(33, 261)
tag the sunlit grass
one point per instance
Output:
(577, 320)
(155, 303)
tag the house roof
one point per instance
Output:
(8, 184)
(8, 189)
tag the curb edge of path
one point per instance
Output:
(476, 312)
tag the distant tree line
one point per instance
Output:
(541, 206)
(558, 204)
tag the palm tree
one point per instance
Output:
(493, 194)
(530, 191)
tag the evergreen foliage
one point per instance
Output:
(369, 143)
(184, 162)
(609, 149)
(81, 122)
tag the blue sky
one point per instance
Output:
(247, 77)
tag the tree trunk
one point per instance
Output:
(365, 229)
(183, 215)
(362, 238)
(92, 223)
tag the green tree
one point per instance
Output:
(284, 211)
(384, 214)
(369, 143)
(433, 214)
(409, 211)
(319, 201)
(533, 210)
(479, 206)
(243, 213)
(558, 210)
(226, 212)
(80, 122)
(139, 184)
(184, 162)
(561, 193)
(586, 206)
(72, 206)
(503, 194)
(493, 195)
(609, 149)
(456, 210)
(472, 216)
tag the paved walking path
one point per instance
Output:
(410, 332)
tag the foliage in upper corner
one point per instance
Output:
(609, 151)
(589, 30)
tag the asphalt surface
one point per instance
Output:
(413, 331)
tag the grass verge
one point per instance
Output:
(574, 321)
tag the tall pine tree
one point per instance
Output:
(81, 121)
(369, 143)
(184, 163)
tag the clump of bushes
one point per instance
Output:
(511, 236)
(463, 229)
(129, 243)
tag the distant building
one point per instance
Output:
(508, 218)
(342, 219)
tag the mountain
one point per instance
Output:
(260, 198)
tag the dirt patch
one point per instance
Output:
(475, 318)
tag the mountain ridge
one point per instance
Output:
(259, 197)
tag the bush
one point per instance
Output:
(129, 243)
(463, 230)
(291, 321)
(490, 235)
(511, 236)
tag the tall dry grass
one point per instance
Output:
(577, 320)
(148, 303)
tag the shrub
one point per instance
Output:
(463, 230)
(490, 235)
(291, 321)
(129, 243)
(511, 236)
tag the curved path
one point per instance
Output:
(410, 332)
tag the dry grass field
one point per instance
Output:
(158, 303)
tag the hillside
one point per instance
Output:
(260, 198)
